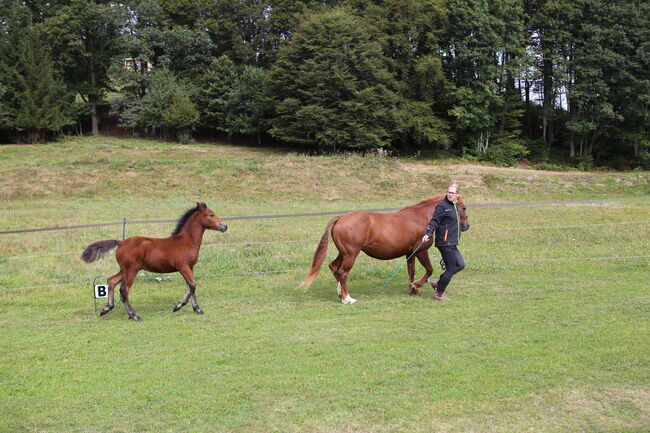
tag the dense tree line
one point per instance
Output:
(555, 81)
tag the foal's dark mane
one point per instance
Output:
(183, 220)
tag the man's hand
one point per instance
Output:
(425, 238)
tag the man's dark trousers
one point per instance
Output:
(453, 263)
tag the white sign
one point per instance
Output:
(101, 291)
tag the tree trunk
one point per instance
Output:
(92, 99)
(529, 114)
(548, 92)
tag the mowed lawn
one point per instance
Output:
(547, 330)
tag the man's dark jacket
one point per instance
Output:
(445, 223)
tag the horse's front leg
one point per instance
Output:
(410, 266)
(188, 275)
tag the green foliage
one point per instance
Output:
(473, 110)
(644, 160)
(35, 101)
(85, 37)
(422, 124)
(244, 104)
(181, 114)
(156, 101)
(538, 150)
(215, 86)
(331, 88)
(362, 74)
(160, 92)
(505, 153)
(583, 162)
(186, 53)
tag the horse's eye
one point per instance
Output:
(212, 216)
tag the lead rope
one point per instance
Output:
(399, 266)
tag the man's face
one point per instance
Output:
(452, 193)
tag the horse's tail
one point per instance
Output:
(99, 249)
(319, 255)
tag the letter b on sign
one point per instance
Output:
(101, 291)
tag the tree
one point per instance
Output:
(485, 52)
(35, 102)
(86, 36)
(607, 76)
(244, 104)
(185, 52)
(330, 88)
(216, 84)
(160, 93)
(181, 115)
(409, 32)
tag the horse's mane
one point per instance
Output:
(429, 200)
(183, 220)
(426, 201)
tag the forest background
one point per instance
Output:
(558, 83)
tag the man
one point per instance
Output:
(445, 223)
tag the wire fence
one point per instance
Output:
(311, 241)
(257, 217)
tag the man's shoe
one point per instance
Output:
(441, 297)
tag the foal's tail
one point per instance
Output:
(99, 249)
(319, 255)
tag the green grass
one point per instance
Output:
(547, 330)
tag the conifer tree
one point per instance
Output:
(35, 102)
(331, 88)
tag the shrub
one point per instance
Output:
(584, 162)
(644, 160)
(506, 153)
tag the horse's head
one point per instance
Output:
(462, 214)
(209, 219)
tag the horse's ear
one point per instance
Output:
(201, 206)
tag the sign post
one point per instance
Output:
(99, 290)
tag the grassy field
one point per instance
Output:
(547, 330)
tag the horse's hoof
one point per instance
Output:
(349, 300)
(136, 318)
(104, 311)
(177, 307)
(434, 283)
(198, 311)
(414, 292)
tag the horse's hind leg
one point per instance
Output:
(423, 257)
(334, 267)
(125, 289)
(410, 266)
(344, 271)
(112, 282)
(188, 275)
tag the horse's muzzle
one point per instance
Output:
(464, 227)
(222, 227)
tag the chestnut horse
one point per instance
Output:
(382, 236)
(177, 253)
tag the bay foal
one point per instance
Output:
(177, 253)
